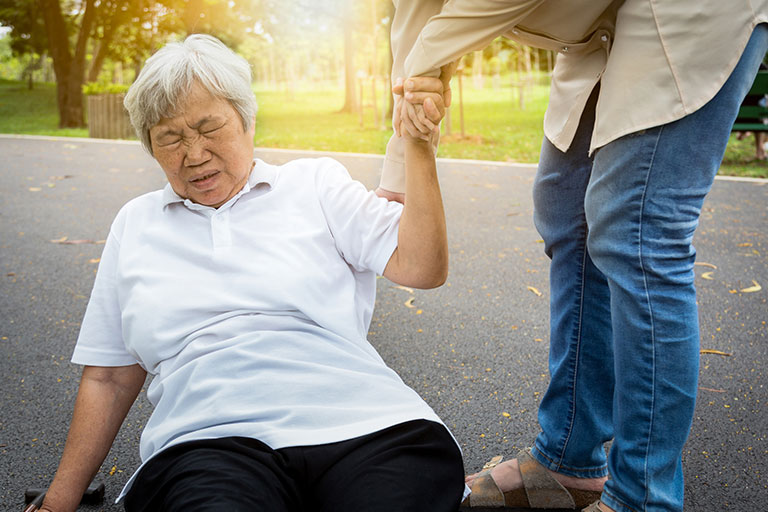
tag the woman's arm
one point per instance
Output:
(103, 400)
(421, 257)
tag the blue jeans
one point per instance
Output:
(624, 332)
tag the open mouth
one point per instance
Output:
(203, 178)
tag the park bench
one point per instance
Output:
(751, 114)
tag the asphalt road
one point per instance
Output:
(476, 349)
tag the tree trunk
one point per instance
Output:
(350, 96)
(390, 15)
(98, 60)
(69, 69)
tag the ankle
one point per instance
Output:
(585, 484)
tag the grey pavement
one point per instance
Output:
(476, 349)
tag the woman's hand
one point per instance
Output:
(420, 109)
(103, 400)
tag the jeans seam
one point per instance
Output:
(576, 355)
(613, 497)
(650, 313)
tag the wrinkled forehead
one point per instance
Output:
(194, 107)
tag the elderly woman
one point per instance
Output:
(246, 290)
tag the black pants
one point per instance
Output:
(415, 466)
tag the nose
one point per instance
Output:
(196, 152)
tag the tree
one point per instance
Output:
(27, 38)
(68, 65)
(123, 29)
(111, 15)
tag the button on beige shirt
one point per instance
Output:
(656, 60)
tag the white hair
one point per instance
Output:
(168, 75)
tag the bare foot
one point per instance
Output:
(507, 476)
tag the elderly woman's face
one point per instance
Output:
(204, 151)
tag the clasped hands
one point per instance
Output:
(420, 104)
(419, 107)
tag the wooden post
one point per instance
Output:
(460, 72)
(360, 104)
(376, 121)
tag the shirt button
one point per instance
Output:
(515, 31)
(604, 38)
(564, 49)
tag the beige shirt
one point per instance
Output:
(656, 60)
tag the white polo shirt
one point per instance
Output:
(252, 318)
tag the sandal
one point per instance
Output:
(540, 490)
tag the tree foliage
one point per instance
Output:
(71, 31)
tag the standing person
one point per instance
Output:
(246, 291)
(643, 97)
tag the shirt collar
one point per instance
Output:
(261, 173)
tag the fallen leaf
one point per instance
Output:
(494, 461)
(713, 390)
(35, 189)
(64, 241)
(94, 260)
(534, 290)
(703, 264)
(715, 352)
(707, 275)
(751, 289)
(404, 288)
(506, 415)
(745, 244)
(409, 302)
(418, 311)
(112, 471)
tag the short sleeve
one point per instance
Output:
(364, 226)
(100, 342)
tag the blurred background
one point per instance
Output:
(320, 67)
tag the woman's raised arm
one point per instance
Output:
(421, 257)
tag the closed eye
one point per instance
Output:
(208, 130)
(168, 141)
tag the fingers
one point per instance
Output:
(413, 121)
(432, 111)
(446, 73)
(423, 84)
(396, 115)
(419, 98)
(390, 196)
(419, 106)
(397, 88)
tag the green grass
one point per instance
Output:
(740, 159)
(32, 112)
(495, 128)
(494, 125)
